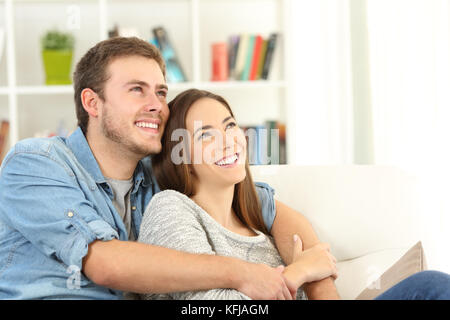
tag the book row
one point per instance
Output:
(266, 144)
(244, 57)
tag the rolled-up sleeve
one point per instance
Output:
(266, 196)
(41, 199)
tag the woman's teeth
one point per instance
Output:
(228, 160)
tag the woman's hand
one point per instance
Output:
(314, 264)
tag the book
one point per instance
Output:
(241, 55)
(248, 58)
(272, 142)
(251, 135)
(271, 44)
(174, 71)
(282, 135)
(233, 46)
(219, 66)
(4, 132)
(256, 57)
(262, 57)
(117, 31)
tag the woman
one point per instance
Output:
(208, 203)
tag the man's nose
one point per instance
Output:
(153, 103)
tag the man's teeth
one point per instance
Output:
(147, 125)
(228, 160)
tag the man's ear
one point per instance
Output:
(90, 101)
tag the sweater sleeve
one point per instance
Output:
(170, 221)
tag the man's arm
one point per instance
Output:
(144, 268)
(174, 255)
(287, 223)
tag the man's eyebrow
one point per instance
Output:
(145, 84)
(209, 127)
(162, 86)
(139, 82)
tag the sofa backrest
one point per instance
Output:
(357, 209)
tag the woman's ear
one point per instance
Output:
(90, 101)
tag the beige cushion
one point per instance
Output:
(410, 263)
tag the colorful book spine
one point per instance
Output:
(219, 61)
(261, 59)
(241, 55)
(248, 59)
(271, 44)
(251, 134)
(174, 72)
(256, 57)
(232, 55)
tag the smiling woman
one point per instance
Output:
(214, 154)
(209, 203)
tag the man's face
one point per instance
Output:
(135, 111)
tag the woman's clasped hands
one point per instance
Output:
(313, 264)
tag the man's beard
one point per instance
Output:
(114, 133)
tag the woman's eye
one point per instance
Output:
(204, 135)
(231, 125)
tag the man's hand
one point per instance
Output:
(261, 282)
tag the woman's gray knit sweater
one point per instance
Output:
(175, 221)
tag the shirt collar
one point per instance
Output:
(78, 144)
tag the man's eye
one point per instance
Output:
(137, 89)
(231, 125)
(162, 93)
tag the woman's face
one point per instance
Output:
(218, 145)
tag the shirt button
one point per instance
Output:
(133, 208)
(70, 214)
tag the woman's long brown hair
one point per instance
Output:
(170, 175)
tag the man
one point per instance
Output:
(68, 207)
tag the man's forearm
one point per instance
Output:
(287, 223)
(142, 268)
(322, 290)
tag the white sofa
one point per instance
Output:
(368, 214)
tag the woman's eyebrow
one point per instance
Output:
(226, 119)
(210, 127)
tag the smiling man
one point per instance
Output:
(70, 208)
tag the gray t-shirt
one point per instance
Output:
(175, 221)
(121, 191)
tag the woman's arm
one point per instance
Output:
(287, 223)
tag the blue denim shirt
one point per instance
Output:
(55, 201)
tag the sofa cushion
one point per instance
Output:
(410, 263)
(357, 209)
(355, 275)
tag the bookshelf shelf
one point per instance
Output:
(259, 84)
(39, 90)
(68, 89)
(193, 25)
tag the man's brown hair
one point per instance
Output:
(91, 70)
(170, 175)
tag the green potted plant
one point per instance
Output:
(57, 50)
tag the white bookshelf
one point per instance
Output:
(192, 25)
